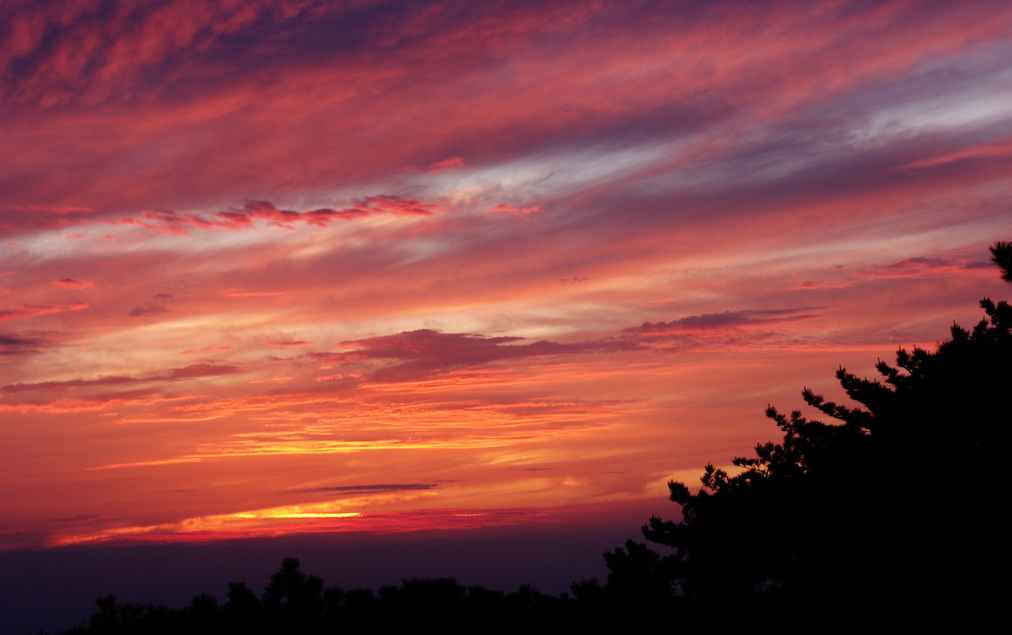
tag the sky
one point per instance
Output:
(292, 267)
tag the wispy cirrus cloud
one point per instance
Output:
(74, 284)
(35, 310)
(363, 113)
(723, 320)
(15, 345)
(289, 344)
(368, 488)
(427, 352)
(181, 224)
(908, 268)
(186, 372)
(148, 310)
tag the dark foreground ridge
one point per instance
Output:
(889, 516)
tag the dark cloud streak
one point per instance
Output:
(192, 371)
(369, 489)
(426, 352)
(14, 345)
(724, 320)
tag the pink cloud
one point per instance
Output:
(391, 204)
(235, 293)
(192, 371)
(427, 352)
(445, 165)
(914, 267)
(724, 320)
(77, 284)
(148, 310)
(513, 209)
(17, 345)
(33, 310)
(205, 351)
(562, 88)
(173, 223)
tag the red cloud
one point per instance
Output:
(908, 268)
(454, 163)
(170, 222)
(513, 209)
(78, 284)
(385, 203)
(719, 321)
(33, 310)
(16, 345)
(425, 352)
(186, 372)
(205, 351)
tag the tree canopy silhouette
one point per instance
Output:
(894, 503)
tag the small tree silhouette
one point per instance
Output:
(292, 596)
(894, 505)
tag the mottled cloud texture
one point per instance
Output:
(278, 266)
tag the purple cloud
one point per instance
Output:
(427, 352)
(723, 320)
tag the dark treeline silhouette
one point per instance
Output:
(889, 513)
(294, 602)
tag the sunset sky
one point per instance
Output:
(270, 267)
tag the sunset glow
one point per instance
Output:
(272, 267)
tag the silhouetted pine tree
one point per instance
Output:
(895, 506)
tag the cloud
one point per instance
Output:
(34, 310)
(686, 161)
(167, 221)
(91, 50)
(921, 262)
(205, 351)
(141, 85)
(988, 151)
(186, 372)
(372, 488)
(721, 321)
(513, 209)
(14, 345)
(77, 284)
(391, 204)
(915, 267)
(181, 224)
(265, 210)
(111, 380)
(427, 352)
(236, 293)
(446, 165)
(80, 518)
(197, 370)
(742, 328)
(150, 309)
